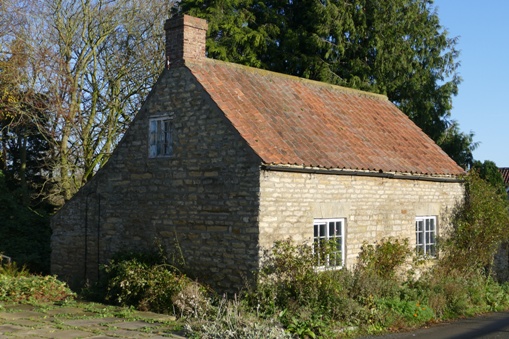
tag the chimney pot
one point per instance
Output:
(185, 39)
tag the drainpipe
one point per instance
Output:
(87, 211)
(98, 234)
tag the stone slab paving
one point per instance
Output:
(49, 321)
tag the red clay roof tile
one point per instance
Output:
(291, 121)
(505, 174)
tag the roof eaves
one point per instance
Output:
(443, 177)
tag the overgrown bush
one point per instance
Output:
(480, 226)
(289, 281)
(378, 265)
(17, 285)
(147, 282)
(311, 303)
(384, 258)
(373, 297)
(453, 293)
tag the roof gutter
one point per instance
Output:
(359, 174)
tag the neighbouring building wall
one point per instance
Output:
(373, 207)
(200, 203)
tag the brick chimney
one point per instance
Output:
(185, 39)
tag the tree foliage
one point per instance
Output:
(480, 225)
(394, 47)
(489, 172)
(104, 56)
(73, 74)
(458, 145)
(24, 232)
(23, 124)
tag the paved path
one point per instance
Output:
(25, 321)
(487, 326)
(99, 322)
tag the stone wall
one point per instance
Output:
(374, 207)
(201, 203)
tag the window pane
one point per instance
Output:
(323, 231)
(152, 139)
(332, 229)
(419, 225)
(338, 244)
(158, 131)
(420, 238)
(338, 228)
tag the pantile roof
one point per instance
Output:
(292, 121)
(505, 174)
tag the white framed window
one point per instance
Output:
(425, 235)
(329, 242)
(160, 138)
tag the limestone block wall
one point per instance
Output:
(374, 207)
(200, 203)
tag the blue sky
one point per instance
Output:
(483, 31)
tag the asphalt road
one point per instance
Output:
(492, 325)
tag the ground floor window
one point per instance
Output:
(329, 242)
(425, 235)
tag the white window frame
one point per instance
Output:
(160, 137)
(327, 230)
(425, 235)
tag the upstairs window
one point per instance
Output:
(160, 138)
(329, 243)
(425, 235)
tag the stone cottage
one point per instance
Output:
(222, 160)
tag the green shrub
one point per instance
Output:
(33, 288)
(375, 275)
(144, 281)
(287, 276)
(384, 257)
(479, 227)
(18, 285)
(289, 281)
(11, 269)
(455, 293)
